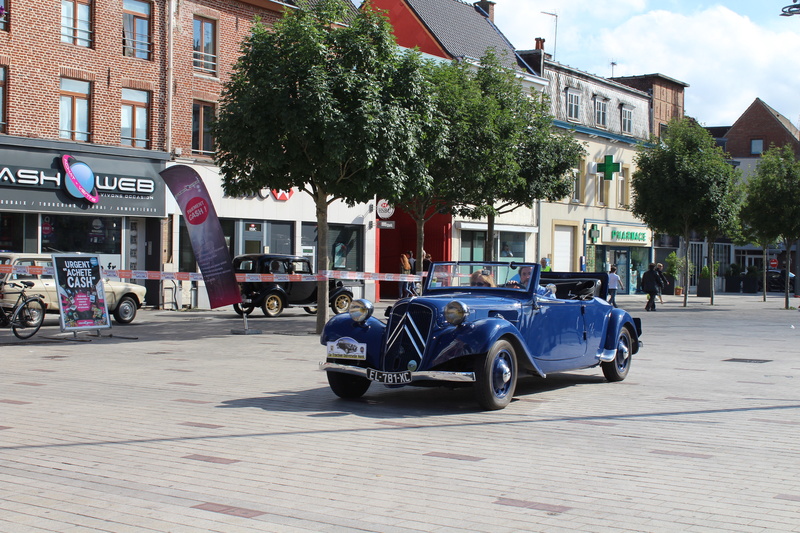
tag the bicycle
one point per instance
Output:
(27, 315)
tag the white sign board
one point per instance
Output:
(384, 209)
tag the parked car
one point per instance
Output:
(776, 281)
(483, 325)
(123, 299)
(274, 296)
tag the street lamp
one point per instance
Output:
(794, 9)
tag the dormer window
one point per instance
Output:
(601, 112)
(573, 105)
(626, 119)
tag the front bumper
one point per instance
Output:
(431, 375)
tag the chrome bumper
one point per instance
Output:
(433, 375)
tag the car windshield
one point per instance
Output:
(515, 276)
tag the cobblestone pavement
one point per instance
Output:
(174, 424)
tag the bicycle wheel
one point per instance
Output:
(27, 318)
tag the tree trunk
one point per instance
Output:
(321, 203)
(419, 220)
(686, 268)
(786, 246)
(488, 253)
(711, 268)
(764, 272)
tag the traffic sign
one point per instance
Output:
(773, 263)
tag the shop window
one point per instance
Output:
(135, 110)
(136, 29)
(186, 259)
(345, 245)
(88, 234)
(2, 99)
(626, 119)
(573, 105)
(204, 55)
(472, 245)
(74, 110)
(202, 117)
(511, 246)
(76, 22)
(12, 227)
(601, 112)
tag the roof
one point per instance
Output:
(785, 122)
(655, 75)
(464, 30)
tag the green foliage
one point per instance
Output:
(705, 273)
(337, 112)
(675, 264)
(752, 271)
(734, 270)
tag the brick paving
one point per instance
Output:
(175, 424)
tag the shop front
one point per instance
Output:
(58, 197)
(628, 246)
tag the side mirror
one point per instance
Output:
(388, 312)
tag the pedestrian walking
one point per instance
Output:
(614, 283)
(651, 284)
(405, 268)
(664, 282)
(412, 285)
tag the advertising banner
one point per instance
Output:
(81, 295)
(205, 232)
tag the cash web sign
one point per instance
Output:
(78, 180)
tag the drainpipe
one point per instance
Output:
(170, 73)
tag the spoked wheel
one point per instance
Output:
(243, 309)
(496, 377)
(341, 304)
(125, 311)
(310, 310)
(273, 305)
(27, 319)
(617, 369)
(347, 386)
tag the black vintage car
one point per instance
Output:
(273, 297)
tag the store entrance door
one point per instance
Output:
(620, 258)
(253, 237)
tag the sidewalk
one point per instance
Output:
(174, 424)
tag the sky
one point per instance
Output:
(730, 53)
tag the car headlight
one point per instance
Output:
(360, 310)
(456, 312)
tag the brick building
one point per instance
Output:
(127, 108)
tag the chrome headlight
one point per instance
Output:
(456, 312)
(360, 310)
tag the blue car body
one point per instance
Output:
(558, 322)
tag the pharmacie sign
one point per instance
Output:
(627, 235)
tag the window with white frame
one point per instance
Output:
(624, 187)
(602, 189)
(76, 22)
(73, 123)
(577, 187)
(133, 120)
(626, 119)
(573, 104)
(136, 29)
(601, 112)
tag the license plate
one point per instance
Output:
(389, 378)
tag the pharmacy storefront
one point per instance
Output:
(628, 246)
(72, 197)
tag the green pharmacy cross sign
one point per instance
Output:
(594, 233)
(608, 167)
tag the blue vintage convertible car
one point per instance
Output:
(482, 324)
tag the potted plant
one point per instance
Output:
(704, 283)
(733, 278)
(750, 280)
(672, 271)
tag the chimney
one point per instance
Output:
(488, 7)
(539, 43)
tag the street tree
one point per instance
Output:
(501, 149)
(771, 206)
(684, 182)
(336, 111)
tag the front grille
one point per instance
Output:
(409, 329)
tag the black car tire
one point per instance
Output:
(310, 310)
(341, 303)
(125, 311)
(617, 370)
(348, 386)
(496, 376)
(273, 305)
(242, 309)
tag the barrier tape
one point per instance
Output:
(196, 276)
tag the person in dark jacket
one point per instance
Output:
(651, 284)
